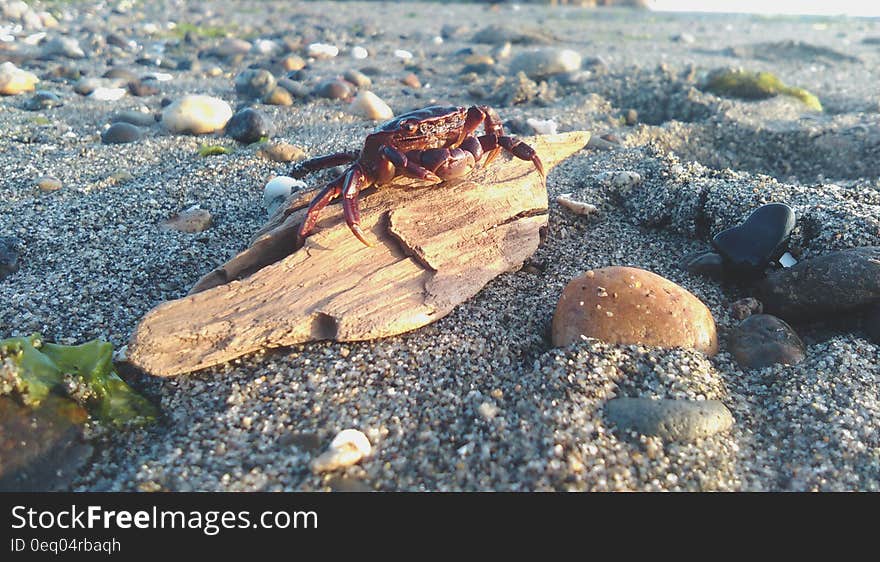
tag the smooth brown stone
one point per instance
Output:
(627, 305)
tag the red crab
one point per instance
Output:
(433, 143)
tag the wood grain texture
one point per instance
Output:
(434, 248)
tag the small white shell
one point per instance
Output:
(277, 190)
(346, 449)
(575, 206)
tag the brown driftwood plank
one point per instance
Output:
(434, 248)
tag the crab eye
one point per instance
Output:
(409, 126)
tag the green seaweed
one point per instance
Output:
(39, 369)
(746, 84)
(213, 150)
(212, 32)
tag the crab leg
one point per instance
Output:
(306, 167)
(330, 192)
(408, 166)
(355, 180)
(493, 143)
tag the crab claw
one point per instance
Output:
(539, 165)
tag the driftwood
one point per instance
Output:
(434, 248)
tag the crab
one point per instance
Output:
(433, 144)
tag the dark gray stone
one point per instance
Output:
(43, 100)
(749, 247)
(137, 118)
(827, 285)
(762, 340)
(121, 133)
(9, 263)
(255, 83)
(872, 323)
(248, 125)
(674, 420)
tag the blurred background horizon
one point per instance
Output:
(855, 8)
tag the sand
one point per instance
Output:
(479, 400)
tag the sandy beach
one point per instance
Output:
(481, 399)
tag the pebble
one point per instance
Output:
(85, 86)
(142, 89)
(249, 125)
(231, 47)
(403, 54)
(544, 62)
(334, 89)
(323, 51)
(255, 83)
(14, 80)
(42, 448)
(9, 262)
(763, 237)
(292, 62)
(872, 323)
(346, 449)
(63, 46)
(42, 100)
(277, 190)
(672, 420)
(123, 74)
(501, 52)
(196, 114)
(743, 308)
(192, 220)
(707, 264)
(371, 106)
(575, 206)
(121, 133)
(294, 88)
(139, 118)
(359, 53)
(824, 286)
(622, 182)
(282, 152)
(762, 340)
(412, 81)
(626, 305)
(265, 47)
(278, 96)
(108, 94)
(48, 183)
(542, 126)
(631, 117)
(358, 78)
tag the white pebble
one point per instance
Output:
(488, 410)
(277, 190)
(359, 52)
(323, 50)
(401, 54)
(265, 47)
(14, 80)
(575, 206)
(622, 181)
(161, 76)
(346, 449)
(371, 106)
(108, 94)
(437, 40)
(542, 126)
(196, 114)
